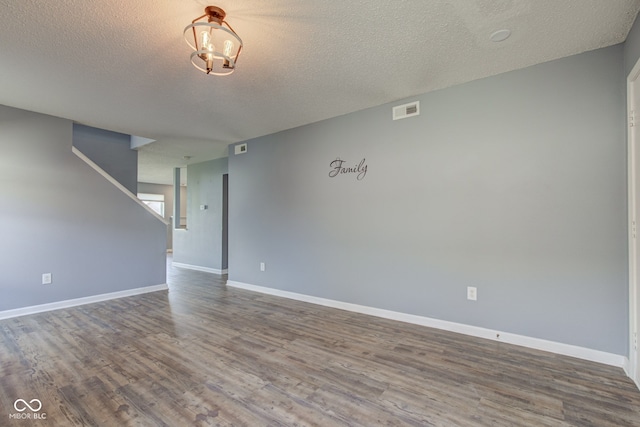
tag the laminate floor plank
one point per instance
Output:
(203, 354)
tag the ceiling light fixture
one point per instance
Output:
(215, 45)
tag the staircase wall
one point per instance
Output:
(59, 216)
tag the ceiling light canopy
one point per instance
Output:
(215, 45)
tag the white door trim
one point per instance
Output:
(633, 84)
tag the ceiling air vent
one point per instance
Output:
(406, 110)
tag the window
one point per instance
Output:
(154, 201)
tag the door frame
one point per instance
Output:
(633, 139)
(225, 224)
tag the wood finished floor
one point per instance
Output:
(204, 354)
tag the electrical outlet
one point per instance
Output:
(472, 293)
(46, 279)
(262, 266)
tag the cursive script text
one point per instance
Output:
(338, 167)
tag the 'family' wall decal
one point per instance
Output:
(338, 167)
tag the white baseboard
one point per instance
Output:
(521, 340)
(199, 268)
(7, 314)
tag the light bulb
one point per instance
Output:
(207, 45)
(228, 47)
(206, 40)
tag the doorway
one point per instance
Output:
(225, 223)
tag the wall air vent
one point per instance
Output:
(240, 149)
(406, 110)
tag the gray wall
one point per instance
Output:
(182, 201)
(201, 243)
(167, 191)
(515, 184)
(111, 151)
(59, 216)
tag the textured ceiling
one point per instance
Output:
(123, 65)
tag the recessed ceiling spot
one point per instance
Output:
(500, 35)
